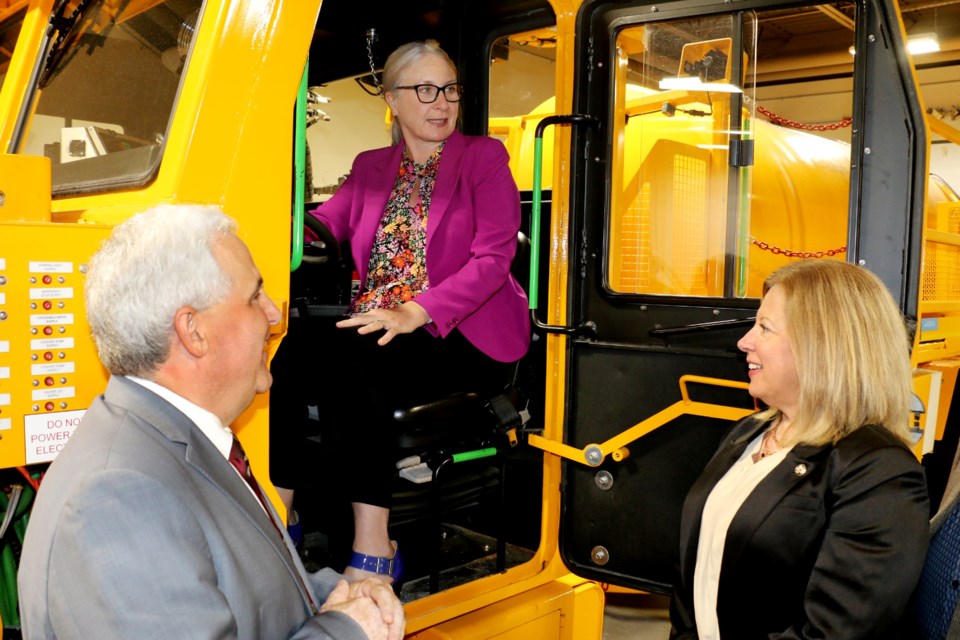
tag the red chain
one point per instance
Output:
(845, 122)
(763, 246)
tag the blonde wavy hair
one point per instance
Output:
(403, 57)
(851, 349)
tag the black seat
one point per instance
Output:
(458, 430)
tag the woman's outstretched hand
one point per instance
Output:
(406, 318)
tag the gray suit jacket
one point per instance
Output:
(142, 529)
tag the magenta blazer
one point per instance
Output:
(471, 239)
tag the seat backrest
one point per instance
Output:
(520, 267)
(933, 610)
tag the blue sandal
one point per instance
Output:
(392, 567)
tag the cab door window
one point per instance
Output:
(521, 93)
(725, 161)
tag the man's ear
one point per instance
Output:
(189, 331)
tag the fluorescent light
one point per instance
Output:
(693, 83)
(923, 43)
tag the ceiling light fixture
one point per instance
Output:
(693, 83)
(923, 43)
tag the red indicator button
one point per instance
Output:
(47, 305)
(48, 331)
(47, 355)
(47, 279)
(49, 406)
(48, 381)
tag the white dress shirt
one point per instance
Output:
(209, 424)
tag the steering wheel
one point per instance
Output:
(322, 284)
(325, 249)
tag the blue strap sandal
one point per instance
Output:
(392, 567)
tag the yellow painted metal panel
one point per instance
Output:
(24, 188)
(938, 335)
(49, 369)
(570, 609)
(587, 618)
(21, 65)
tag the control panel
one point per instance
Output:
(49, 369)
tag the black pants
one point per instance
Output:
(357, 385)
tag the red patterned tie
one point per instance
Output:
(239, 461)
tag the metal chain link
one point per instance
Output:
(763, 246)
(833, 126)
(371, 37)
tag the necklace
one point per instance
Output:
(771, 434)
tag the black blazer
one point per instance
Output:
(829, 545)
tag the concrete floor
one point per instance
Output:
(636, 617)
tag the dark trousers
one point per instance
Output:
(357, 385)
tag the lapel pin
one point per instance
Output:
(800, 469)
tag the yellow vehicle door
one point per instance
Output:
(711, 145)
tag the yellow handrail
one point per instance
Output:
(594, 454)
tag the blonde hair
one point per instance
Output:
(851, 349)
(403, 57)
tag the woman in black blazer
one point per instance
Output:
(811, 520)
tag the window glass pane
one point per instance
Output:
(107, 97)
(725, 160)
(522, 89)
(941, 274)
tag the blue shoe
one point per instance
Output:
(392, 567)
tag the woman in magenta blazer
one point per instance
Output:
(432, 223)
(471, 238)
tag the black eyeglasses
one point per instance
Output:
(428, 93)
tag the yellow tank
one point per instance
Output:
(796, 202)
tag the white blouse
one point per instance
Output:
(722, 505)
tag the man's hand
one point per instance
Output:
(391, 610)
(363, 610)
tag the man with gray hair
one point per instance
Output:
(148, 524)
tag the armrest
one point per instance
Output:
(445, 408)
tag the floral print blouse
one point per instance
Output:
(397, 271)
